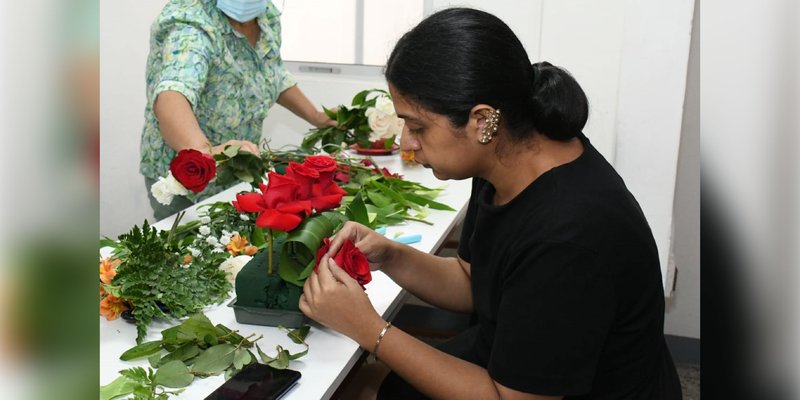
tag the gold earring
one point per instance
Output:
(490, 129)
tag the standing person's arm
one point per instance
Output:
(294, 100)
(180, 128)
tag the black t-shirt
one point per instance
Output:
(567, 288)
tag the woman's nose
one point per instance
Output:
(408, 142)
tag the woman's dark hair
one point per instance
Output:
(460, 57)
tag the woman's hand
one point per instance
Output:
(245, 145)
(334, 299)
(322, 120)
(377, 248)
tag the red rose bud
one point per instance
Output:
(193, 169)
(350, 259)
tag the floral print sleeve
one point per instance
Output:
(230, 83)
(185, 59)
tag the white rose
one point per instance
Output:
(380, 124)
(396, 129)
(160, 191)
(384, 105)
(233, 265)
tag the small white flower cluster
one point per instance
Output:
(383, 120)
(165, 189)
(218, 243)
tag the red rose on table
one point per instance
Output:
(193, 169)
(305, 177)
(350, 259)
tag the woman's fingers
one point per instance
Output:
(340, 275)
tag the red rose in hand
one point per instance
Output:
(350, 259)
(193, 169)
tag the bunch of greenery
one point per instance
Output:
(160, 278)
(352, 126)
(234, 164)
(195, 348)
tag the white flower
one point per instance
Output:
(233, 265)
(224, 240)
(195, 252)
(161, 192)
(165, 189)
(244, 217)
(212, 241)
(384, 105)
(383, 120)
(205, 219)
(204, 230)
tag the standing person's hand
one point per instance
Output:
(376, 247)
(322, 120)
(245, 145)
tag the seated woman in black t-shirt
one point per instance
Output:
(556, 259)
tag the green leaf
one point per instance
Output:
(142, 350)
(378, 199)
(183, 353)
(281, 361)
(119, 387)
(295, 356)
(241, 358)
(198, 326)
(173, 374)
(427, 202)
(154, 360)
(214, 360)
(264, 357)
(330, 113)
(357, 211)
(244, 176)
(298, 253)
(299, 335)
(231, 150)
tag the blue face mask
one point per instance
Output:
(242, 10)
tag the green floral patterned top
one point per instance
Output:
(230, 84)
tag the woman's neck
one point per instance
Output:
(515, 171)
(249, 29)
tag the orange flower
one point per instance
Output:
(108, 269)
(187, 259)
(407, 156)
(236, 245)
(250, 250)
(111, 307)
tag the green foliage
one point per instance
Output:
(351, 127)
(153, 276)
(195, 348)
(234, 164)
(300, 249)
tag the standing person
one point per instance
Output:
(556, 259)
(213, 73)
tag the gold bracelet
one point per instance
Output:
(380, 338)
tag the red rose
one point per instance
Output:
(350, 259)
(278, 204)
(305, 177)
(193, 169)
(323, 164)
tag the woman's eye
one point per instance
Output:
(415, 131)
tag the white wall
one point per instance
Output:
(629, 56)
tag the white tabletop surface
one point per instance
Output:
(331, 355)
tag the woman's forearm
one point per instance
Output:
(178, 124)
(294, 100)
(442, 282)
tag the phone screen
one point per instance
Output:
(256, 381)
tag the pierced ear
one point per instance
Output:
(479, 116)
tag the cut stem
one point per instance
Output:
(269, 249)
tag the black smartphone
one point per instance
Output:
(256, 381)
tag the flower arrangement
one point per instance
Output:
(369, 122)
(191, 171)
(293, 206)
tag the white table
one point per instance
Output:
(331, 355)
